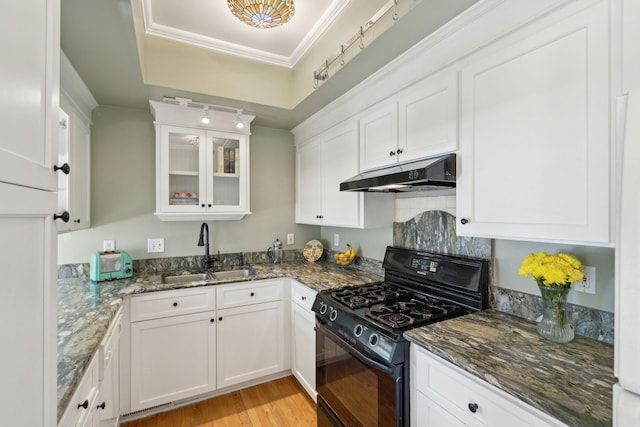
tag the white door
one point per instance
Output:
(250, 342)
(309, 183)
(29, 46)
(172, 358)
(303, 362)
(28, 318)
(340, 162)
(379, 135)
(534, 145)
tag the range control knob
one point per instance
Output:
(373, 339)
(323, 308)
(357, 331)
(333, 315)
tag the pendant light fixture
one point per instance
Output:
(262, 13)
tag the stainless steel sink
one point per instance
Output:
(218, 275)
(232, 274)
(186, 278)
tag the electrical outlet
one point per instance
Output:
(336, 239)
(108, 245)
(290, 239)
(588, 284)
(155, 245)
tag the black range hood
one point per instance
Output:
(421, 175)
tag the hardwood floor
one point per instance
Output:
(279, 403)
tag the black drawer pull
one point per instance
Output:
(473, 407)
(102, 405)
(84, 404)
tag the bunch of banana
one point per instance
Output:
(347, 257)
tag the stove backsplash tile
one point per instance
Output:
(435, 231)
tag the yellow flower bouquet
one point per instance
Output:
(559, 270)
(554, 275)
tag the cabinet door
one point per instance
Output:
(340, 162)
(181, 174)
(534, 148)
(108, 407)
(172, 358)
(309, 183)
(303, 357)
(29, 84)
(227, 173)
(74, 148)
(379, 135)
(250, 342)
(27, 262)
(427, 117)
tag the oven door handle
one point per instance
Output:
(355, 352)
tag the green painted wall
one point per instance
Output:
(123, 195)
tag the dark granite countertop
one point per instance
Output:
(571, 382)
(86, 308)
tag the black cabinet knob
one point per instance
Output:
(202, 205)
(64, 216)
(252, 293)
(392, 153)
(304, 298)
(473, 407)
(399, 151)
(213, 320)
(464, 221)
(220, 318)
(175, 304)
(84, 404)
(77, 221)
(65, 168)
(102, 405)
(209, 205)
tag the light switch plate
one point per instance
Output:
(108, 245)
(155, 245)
(290, 239)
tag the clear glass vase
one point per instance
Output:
(555, 326)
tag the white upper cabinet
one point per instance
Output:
(379, 135)
(427, 117)
(421, 121)
(321, 165)
(202, 173)
(534, 147)
(74, 148)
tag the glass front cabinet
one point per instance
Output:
(202, 171)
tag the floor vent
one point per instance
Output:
(142, 411)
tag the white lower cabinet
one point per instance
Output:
(303, 337)
(444, 395)
(186, 343)
(251, 331)
(173, 356)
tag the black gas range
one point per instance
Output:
(359, 329)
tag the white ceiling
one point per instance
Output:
(209, 24)
(99, 38)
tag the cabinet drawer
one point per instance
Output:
(455, 391)
(172, 303)
(249, 293)
(302, 294)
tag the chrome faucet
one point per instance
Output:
(204, 241)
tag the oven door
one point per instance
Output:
(353, 389)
